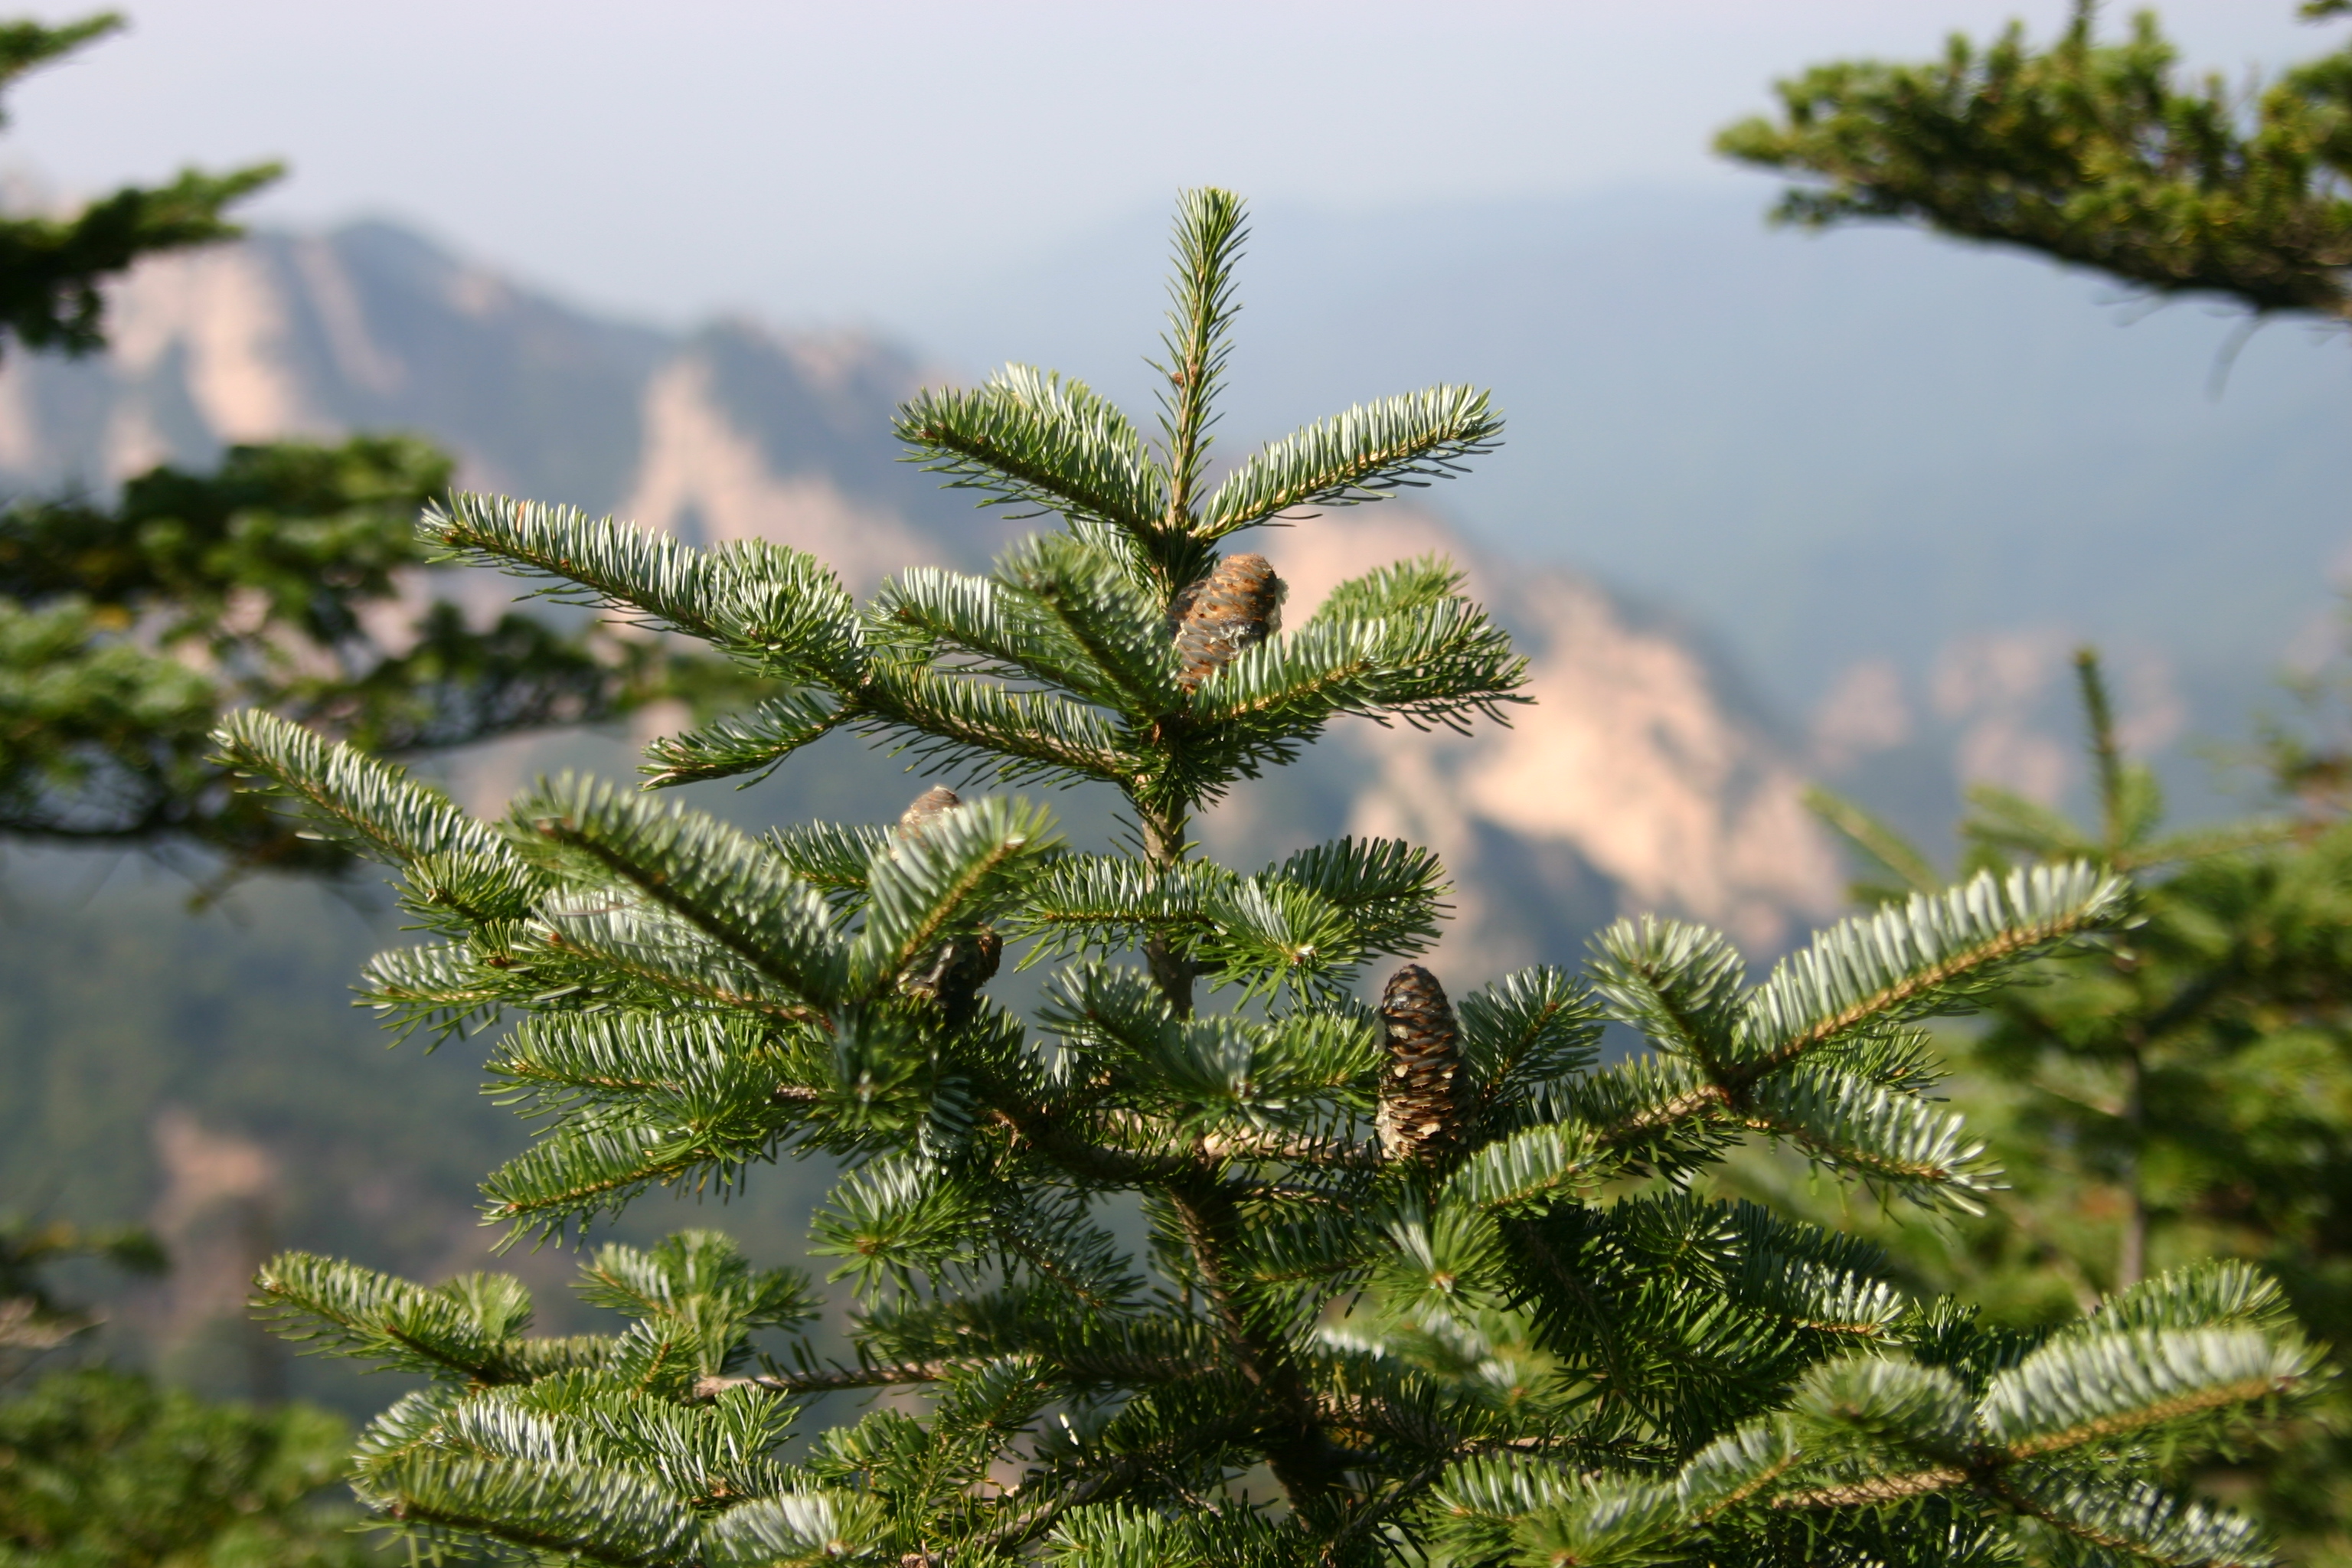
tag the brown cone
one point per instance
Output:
(1423, 1085)
(929, 807)
(950, 973)
(1237, 605)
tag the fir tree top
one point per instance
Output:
(1419, 1278)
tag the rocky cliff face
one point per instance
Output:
(1629, 782)
(1634, 781)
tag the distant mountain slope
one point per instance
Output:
(734, 432)
(1630, 783)
(369, 328)
(1861, 457)
(726, 432)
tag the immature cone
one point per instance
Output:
(1237, 605)
(1423, 1085)
(952, 972)
(929, 806)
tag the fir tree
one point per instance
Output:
(33, 1321)
(1423, 1276)
(52, 269)
(2186, 1095)
(2098, 154)
(277, 579)
(100, 1469)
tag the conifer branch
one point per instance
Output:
(1095, 603)
(1874, 839)
(1363, 454)
(756, 742)
(1088, 1159)
(1297, 1448)
(710, 877)
(1899, 962)
(2093, 1388)
(2143, 1520)
(894, 1375)
(2094, 152)
(773, 607)
(984, 727)
(378, 809)
(611, 1517)
(670, 958)
(1034, 439)
(1876, 1491)
(1556, 1271)
(967, 868)
(1210, 233)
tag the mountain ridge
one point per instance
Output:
(734, 430)
(1864, 461)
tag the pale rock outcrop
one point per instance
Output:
(227, 312)
(1629, 757)
(702, 476)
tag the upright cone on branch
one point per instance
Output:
(950, 973)
(1425, 1092)
(1237, 605)
(927, 808)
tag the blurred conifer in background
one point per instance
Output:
(287, 578)
(290, 577)
(2187, 1096)
(2098, 154)
(100, 1469)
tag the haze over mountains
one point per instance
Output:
(1886, 482)
(1893, 478)
(1770, 509)
(1874, 486)
(1633, 783)
(1880, 484)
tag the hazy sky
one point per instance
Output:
(819, 162)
